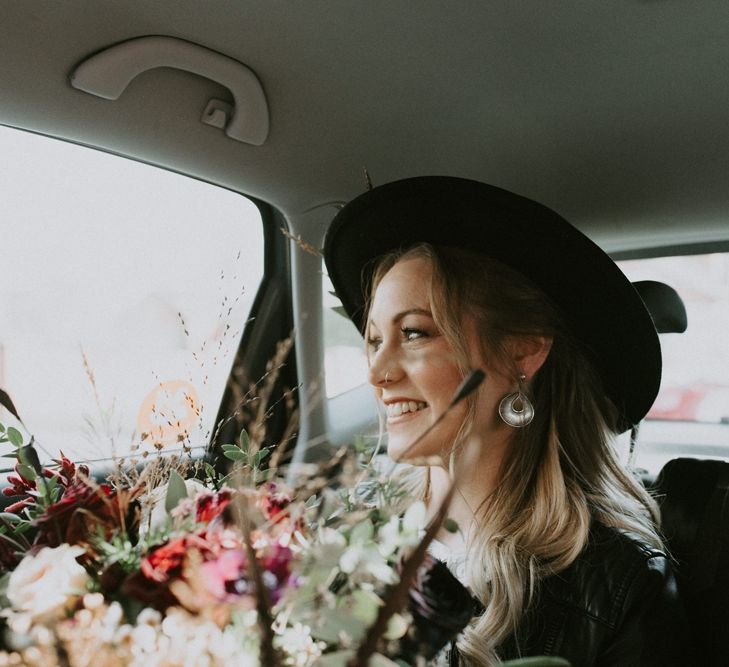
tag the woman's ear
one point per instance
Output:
(529, 353)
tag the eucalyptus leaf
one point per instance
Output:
(176, 490)
(333, 623)
(26, 472)
(366, 605)
(260, 455)
(397, 626)
(245, 441)
(10, 517)
(236, 455)
(15, 436)
(362, 532)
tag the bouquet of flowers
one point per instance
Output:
(174, 563)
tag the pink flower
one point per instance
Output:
(222, 573)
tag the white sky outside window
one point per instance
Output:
(149, 274)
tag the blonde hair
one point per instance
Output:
(562, 472)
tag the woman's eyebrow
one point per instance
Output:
(411, 311)
(399, 316)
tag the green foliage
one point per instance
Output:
(176, 490)
(240, 453)
(14, 436)
(451, 525)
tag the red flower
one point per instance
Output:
(165, 562)
(150, 585)
(275, 504)
(19, 486)
(83, 507)
(209, 506)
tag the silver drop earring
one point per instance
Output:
(515, 409)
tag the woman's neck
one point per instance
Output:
(476, 479)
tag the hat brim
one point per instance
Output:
(598, 302)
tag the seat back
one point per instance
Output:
(694, 499)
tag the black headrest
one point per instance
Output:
(664, 304)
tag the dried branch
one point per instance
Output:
(306, 247)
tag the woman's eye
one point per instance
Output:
(412, 334)
(374, 343)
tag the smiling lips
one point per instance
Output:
(398, 408)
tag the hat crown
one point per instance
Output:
(595, 298)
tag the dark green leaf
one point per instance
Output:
(15, 436)
(176, 490)
(451, 525)
(27, 454)
(2, 428)
(22, 528)
(7, 403)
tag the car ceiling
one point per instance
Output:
(614, 113)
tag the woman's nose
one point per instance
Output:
(383, 370)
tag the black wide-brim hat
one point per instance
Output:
(597, 301)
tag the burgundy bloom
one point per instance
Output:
(165, 562)
(209, 506)
(76, 516)
(275, 504)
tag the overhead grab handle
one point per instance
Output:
(108, 73)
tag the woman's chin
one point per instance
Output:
(400, 450)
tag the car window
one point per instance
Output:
(690, 416)
(695, 383)
(124, 290)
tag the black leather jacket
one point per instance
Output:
(616, 605)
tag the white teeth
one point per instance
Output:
(397, 409)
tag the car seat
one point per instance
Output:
(694, 499)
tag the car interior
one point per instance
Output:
(170, 170)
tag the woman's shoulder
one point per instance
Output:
(615, 571)
(615, 605)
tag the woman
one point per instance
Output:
(556, 539)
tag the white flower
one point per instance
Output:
(154, 512)
(45, 585)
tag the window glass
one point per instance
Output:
(695, 383)
(124, 290)
(345, 364)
